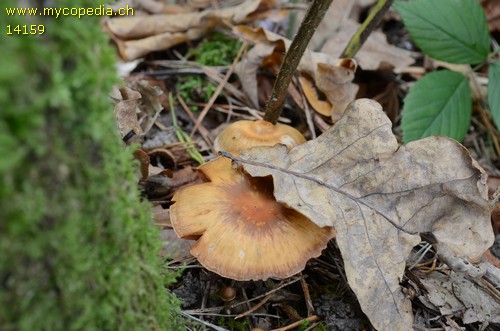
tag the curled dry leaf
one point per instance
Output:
(309, 60)
(335, 82)
(163, 183)
(332, 76)
(149, 105)
(127, 103)
(164, 158)
(136, 36)
(379, 197)
(321, 106)
(248, 67)
(137, 108)
(144, 162)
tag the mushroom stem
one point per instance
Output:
(313, 17)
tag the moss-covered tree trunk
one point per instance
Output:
(77, 247)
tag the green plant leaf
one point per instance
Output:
(438, 104)
(494, 91)
(454, 31)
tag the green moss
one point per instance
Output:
(215, 50)
(78, 249)
(304, 325)
(320, 327)
(195, 88)
(233, 325)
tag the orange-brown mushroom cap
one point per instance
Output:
(243, 232)
(241, 135)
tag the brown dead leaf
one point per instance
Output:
(333, 76)
(163, 185)
(134, 49)
(247, 69)
(137, 108)
(149, 105)
(127, 102)
(131, 27)
(324, 107)
(379, 197)
(309, 60)
(492, 9)
(144, 162)
(456, 295)
(376, 53)
(137, 36)
(336, 83)
(163, 158)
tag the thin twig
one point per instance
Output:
(165, 73)
(307, 111)
(307, 296)
(219, 88)
(245, 296)
(370, 24)
(181, 135)
(234, 114)
(312, 326)
(234, 315)
(491, 129)
(485, 115)
(212, 73)
(203, 131)
(313, 17)
(213, 326)
(254, 308)
(313, 318)
(195, 311)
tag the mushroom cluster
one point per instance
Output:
(242, 232)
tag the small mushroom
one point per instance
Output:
(241, 135)
(227, 293)
(242, 232)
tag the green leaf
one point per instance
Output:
(438, 104)
(494, 91)
(454, 31)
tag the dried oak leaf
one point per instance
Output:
(379, 196)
